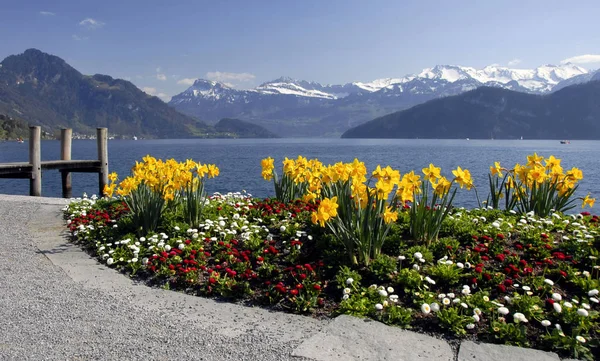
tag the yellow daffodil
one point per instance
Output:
(389, 215)
(496, 169)
(588, 201)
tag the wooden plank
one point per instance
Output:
(15, 175)
(71, 164)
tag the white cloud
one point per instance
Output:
(582, 59)
(90, 23)
(47, 13)
(186, 81)
(148, 90)
(159, 75)
(156, 93)
(514, 62)
(79, 38)
(229, 77)
(128, 78)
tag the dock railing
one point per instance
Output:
(66, 166)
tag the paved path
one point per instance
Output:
(56, 303)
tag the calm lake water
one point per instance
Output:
(239, 160)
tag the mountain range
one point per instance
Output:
(292, 107)
(43, 89)
(572, 112)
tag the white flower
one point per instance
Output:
(556, 297)
(425, 308)
(557, 307)
(282, 229)
(486, 298)
(594, 299)
(416, 267)
(135, 260)
(466, 291)
(568, 305)
(503, 311)
(176, 228)
(546, 323)
(110, 261)
(550, 282)
(347, 291)
(418, 255)
(470, 326)
(349, 281)
(435, 307)
(181, 246)
(526, 288)
(582, 312)
(441, 295)
(477, 311)
(476, 318)
(390, 290)
(379, 307)
(401, 258)
(586, 306)
(580, 339)
(167, 248)
(467, 265)
(394, 298)
(446, 301)
(593, 293)
(345, 297)
(460, 265)
(383, 293)
(451, 295)
(518, 316)
(464, 305)
(429, 280)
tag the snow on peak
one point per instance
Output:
(539, 80)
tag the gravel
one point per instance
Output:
(53, 313)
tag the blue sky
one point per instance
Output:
(162, 45)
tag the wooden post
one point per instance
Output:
(35, 182)
(65, 154)
(102, 139)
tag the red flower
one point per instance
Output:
(487, 276)
(563, 273)
(485, 258)
(500, 257)
(294, 292)
(478, 269)
(523, 263)
(302, 276)
(501, 288)
(317, 287)
(508, 282)
(500, 236)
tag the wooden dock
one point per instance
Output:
(66, 166)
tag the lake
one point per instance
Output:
(239, 159)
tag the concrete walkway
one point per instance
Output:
(56, 303)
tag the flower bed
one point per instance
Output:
(496, 275)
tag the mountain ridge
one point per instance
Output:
(292, 107)
(487, 112)
(43, 89)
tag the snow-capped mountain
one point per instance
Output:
(288, 106)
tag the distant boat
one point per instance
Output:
(565, 142)
(134, 137)
(20, 140)
(468, 139)
(521, 137)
